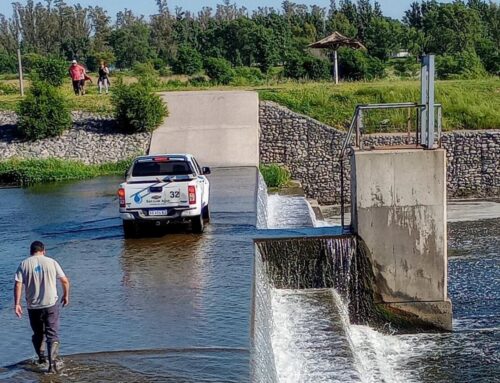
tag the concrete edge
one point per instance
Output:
(434, 315)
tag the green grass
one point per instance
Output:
(32, 171)
(274, 175)
(467, 104)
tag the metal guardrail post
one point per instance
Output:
(342, 201)
(439, 123)
(359, 127)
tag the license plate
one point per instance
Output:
(158, 212)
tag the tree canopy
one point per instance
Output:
(463, 33)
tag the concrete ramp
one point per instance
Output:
(221, 129)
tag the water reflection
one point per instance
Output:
(183, 294)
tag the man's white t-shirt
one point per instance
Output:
(39, 275)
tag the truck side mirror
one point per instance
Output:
(206, 170)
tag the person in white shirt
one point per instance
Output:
(39, 274)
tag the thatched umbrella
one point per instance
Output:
(335, 41)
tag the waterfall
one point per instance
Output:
(263, 365)
(312, 306)
(262, 209)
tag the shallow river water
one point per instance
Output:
(178, 304)
(177, 307)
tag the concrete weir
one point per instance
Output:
(221, 128)
(399, 210)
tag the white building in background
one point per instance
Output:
(401, 54)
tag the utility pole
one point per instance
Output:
(19, 60)
(20, 68)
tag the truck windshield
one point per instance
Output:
(153, 168)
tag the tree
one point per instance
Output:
(162, 32)
(383, 37)
(340, 23)
(130, 41)
(188, 61)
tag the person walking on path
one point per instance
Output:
(77, 74)
(38, 274)
(103, 78)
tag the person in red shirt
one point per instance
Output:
(77, 73)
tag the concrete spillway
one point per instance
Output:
(221, 129)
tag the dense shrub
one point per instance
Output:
(316, 68)
(275, 74)
(407, 67)
(299, 65)
(219, 70)
(275, 175)
(188, 61)
(247, 76)
(157, 63)
(50, 70)
(29, 60)
(198, 81)
(8, 63)
(165, 71)
(43, 112)
(137, 108)
(463, 65)
(146, 74)
(357, 65)
(490, 56)
(175, 84)
(294, 66)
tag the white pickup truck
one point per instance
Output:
(163, 188)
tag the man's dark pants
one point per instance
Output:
(44, 322)
(77, 84)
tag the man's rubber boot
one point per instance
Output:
(39, 349)
(53, 352)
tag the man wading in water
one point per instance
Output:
(39, 275)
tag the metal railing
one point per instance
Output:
(356, 128)
(357, 125)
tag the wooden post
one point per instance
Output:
(336, 66)
(20, 65)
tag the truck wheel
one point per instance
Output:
(197, 224)
(130, 229)
(206, 213)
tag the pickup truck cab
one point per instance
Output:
(164, 188)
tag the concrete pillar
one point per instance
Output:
(399, 210)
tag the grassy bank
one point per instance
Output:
(466, 104)
(29, 172)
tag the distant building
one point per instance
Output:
(401, 54)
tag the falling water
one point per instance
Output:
(262, 210)
(309, 292)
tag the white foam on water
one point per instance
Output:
(307, 349)
(288, 212)
(381, 357)
(308, 343)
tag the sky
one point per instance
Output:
(391, 8)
